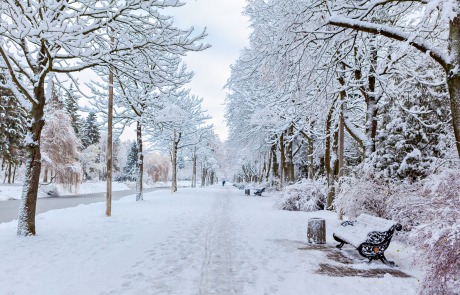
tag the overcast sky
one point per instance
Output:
(227, 33)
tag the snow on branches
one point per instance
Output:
(306, 195)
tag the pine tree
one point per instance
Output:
(13, 127)
(71, 106)
(181, 162)
(90, 134)
(130, 168)
(116, 154)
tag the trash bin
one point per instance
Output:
(316, 230)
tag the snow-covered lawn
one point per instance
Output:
(14, 192)
(197, 241)
(91, 188)
(10, 192)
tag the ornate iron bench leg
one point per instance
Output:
(387, 262)
(339, 246)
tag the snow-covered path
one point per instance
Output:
(197, 241)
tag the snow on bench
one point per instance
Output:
(370, 235)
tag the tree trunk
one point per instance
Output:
(335, 150)
(341, 146)
(45, 177)
(275, 164)
(26, 221)
(310, 158)
(327, 159)
(260, 170)
(269, 165)
(290, 158)
(9, 173)
(202, 173)
(173, 177)
(372, 107)
(14, 172)
(282, 160)
(453, 77)
(140, 163)
(194, 168)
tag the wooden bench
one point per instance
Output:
(259, 192)
(370, 235)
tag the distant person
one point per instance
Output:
(223, 183)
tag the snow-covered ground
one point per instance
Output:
(180, 183)
(91, 188)
(198, 241)
(8, 192)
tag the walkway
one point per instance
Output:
(213, 240)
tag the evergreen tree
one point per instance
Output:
(131, 163)
(116, 154)
(406, 147)
(90, 134)
(181, 162)
(71, 106)
(13, 123)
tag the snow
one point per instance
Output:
(397, 34)
(197, 241)
(91, 188)
(357, 233)
(9, 192)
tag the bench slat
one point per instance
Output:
(357, 234)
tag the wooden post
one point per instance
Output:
(108, 200)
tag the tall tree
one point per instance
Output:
(72, 108)
(13, 123)
(90, 133)
(130, 170)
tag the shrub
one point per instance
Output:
(430, 209)
(306, 195)
(368, 194)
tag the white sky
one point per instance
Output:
(227, 33)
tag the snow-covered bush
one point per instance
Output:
(367, 194)
(306, 195)
(268, 186)
(431, 209)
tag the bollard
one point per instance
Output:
(316, 230)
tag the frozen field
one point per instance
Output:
(197, 241)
